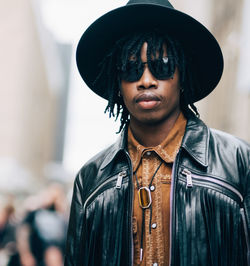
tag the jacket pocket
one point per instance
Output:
(114, 181)
(209, 221)
(192, 179)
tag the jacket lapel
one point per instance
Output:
(119, 145)
(196, 140)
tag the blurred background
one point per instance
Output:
(49, 118)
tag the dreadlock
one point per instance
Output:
(131, 45)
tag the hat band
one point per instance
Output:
(151, 2)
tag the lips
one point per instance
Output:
(147, 100)
(147, 97)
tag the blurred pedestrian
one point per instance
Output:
(41, 236)
(7, 231)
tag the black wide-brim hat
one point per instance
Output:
(138, 15)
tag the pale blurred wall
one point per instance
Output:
(27, 104)
(228, 107)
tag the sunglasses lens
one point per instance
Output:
(160, 68)
(144, 197)
(132, 72)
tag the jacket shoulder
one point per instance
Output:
(229, 152)
(87, 177)
(105, 156)
(97, 159)
(95, 164)
(228, 141)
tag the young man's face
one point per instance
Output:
(149, 100)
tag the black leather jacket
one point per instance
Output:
(210, 204)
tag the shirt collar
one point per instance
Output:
(167, 150)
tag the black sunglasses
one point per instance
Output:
(161, 68)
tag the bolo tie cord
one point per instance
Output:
(143, 209)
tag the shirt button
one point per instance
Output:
(152, 188)
(148, 153)
(154, 225)
(155, 264)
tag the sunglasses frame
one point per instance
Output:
(165, 60)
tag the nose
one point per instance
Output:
(147, 80)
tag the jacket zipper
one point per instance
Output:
(131, 209)
(188, 177)
(119, 179)
(242, 212)
(172, 203)
(191, 176)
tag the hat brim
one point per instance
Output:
(195, 38)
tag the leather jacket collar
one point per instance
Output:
(195, 142)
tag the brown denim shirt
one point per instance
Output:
(145, 161)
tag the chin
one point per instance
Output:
(154, 119)
(150, 121)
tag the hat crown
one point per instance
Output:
(151, 2)
(140, 15)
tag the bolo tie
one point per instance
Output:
(145, 202)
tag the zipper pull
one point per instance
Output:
(119, 179)
(188, 175)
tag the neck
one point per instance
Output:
(151, 135)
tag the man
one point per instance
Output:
(170, 191)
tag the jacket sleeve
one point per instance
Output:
(247, 214)
(246, 201)
(74, 244)
(247, 205)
